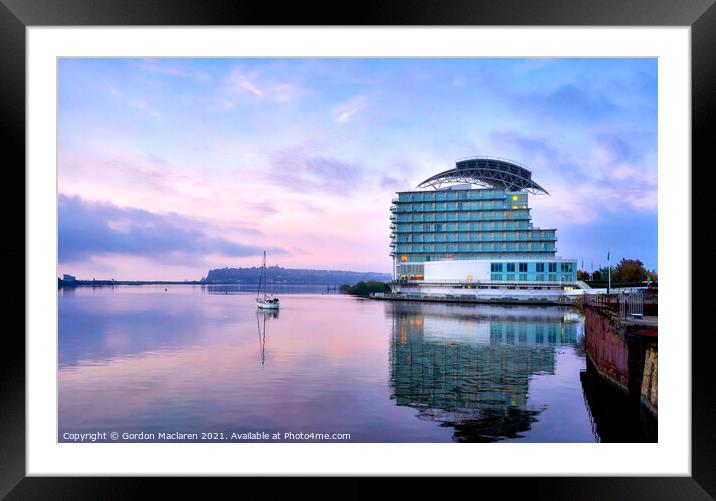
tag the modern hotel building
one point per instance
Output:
(470, 228)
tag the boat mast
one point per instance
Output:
(261, 276)
(266, 277)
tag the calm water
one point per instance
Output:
(202, 360)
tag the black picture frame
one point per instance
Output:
(700, 15)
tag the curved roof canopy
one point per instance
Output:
(487, 172)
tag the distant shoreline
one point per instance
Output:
(62, 284)
(105, 283)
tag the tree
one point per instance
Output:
(365, 288)
(582, 275)
(602, 274)
(629, 270)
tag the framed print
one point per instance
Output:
(420, 241)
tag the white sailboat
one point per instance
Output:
(268, 301)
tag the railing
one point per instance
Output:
(625, 304)
(458, 298)
(464, 281)
(414, 210)
(631, 304)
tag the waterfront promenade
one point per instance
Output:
(476, 299)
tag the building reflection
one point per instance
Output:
(469, 367)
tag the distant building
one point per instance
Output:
(451, 234)
(68, 278)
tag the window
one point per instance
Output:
(552, 268)
(509, 335)
(523, 333)
(523, 267)
(566, 267)
(523, 277)
(496, 267)
(540, 267)
(510, 267)
(551, 334)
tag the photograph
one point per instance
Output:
(409, 240)
(357, 250)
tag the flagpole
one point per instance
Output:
(609, 273)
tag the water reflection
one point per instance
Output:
(615, 417)
(261, 317)
(140, 359)
(99, 325)
(276, 288)
(469, 368)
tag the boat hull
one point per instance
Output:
(267, 306)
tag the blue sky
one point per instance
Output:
(226, 157)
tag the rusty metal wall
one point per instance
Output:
(607, 348)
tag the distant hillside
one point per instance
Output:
(279, 275)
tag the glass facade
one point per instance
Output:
(533, 272)
(469, 224)
(466, 224)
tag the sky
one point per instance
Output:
(170, 167)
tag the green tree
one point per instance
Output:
(629, 270)
(601, 274)
(365, 288)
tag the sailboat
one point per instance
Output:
(268, 301)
